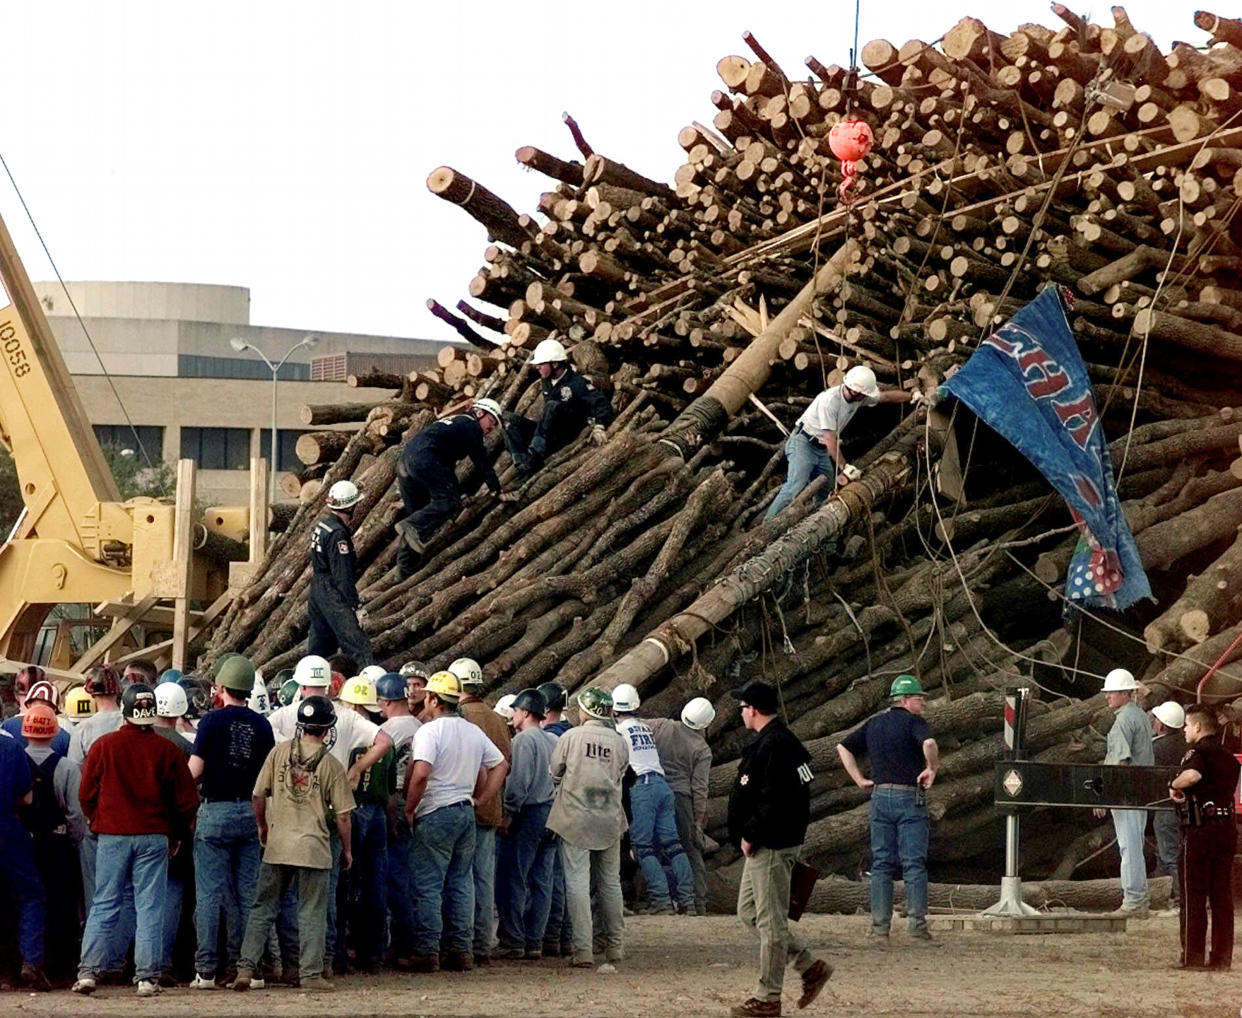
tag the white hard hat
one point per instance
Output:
(467, 671)
(343, 494)
(548, 352)
(170, 700)
(625, 698)
(1170, 714)
(1119, 681)
(504, 706)
(698, 713)
(861, 378)
(488, 406)
(373, 673)
(258, 700)
(313, 670)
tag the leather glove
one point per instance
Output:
(508, 496)
(851, 472)
(917, 396)
(599, 434)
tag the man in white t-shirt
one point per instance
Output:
(399, 725)
(814, 445)
(453, 767)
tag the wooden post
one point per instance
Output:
(183, 559)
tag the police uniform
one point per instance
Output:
(427, 473)
(569, 401)
(333, 593)
(1209, 838)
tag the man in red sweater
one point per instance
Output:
(139, 798)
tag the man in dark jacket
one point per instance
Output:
(769, 808)
(427, 476)
(335, 613)
(569, 401)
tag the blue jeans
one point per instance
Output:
(484, 866)
(560, 929)
(368, 881)
(653, 835)
(807, 458)
(17, 868)
(441, 865)
(123, 935)
(899, 831)
(524, 879)
(1130, 825)
(333, 952)
(174, 894)
(139, 861)
(226, 868)
(1168, 841)
(400, 894)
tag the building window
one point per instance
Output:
(286, 444)
(217, 448)
(150, 438)
(198, 366)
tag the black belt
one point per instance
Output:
(904, 788)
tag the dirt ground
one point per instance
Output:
(684, 966)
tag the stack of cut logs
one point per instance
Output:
(1079, 155)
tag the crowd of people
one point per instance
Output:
(172, 830)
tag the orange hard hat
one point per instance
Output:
(39, 722)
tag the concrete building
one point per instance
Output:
(167, 363)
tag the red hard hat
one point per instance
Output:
(39, 722)
(102, 681)
(27, 677)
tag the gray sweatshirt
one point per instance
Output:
(530, 781)
(686, 758)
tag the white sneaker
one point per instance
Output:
(607, 968)
(148, 987)
(257, 984)
(84, 985)
(202, 982)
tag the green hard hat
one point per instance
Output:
(236, 674)
(287, 692)
(595, 703)
(906, 685)
(214, 670)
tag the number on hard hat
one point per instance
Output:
(595, 703)
(698, 714)
(906, 685)
(625, 698)
(138, 704)
(488, 406)
(170, 700)
(343, 495)
(445, 686)
(39, 722)
(468, 671)
(1170, 714)
(313, 670)
(861, 378)
(359, 691)
(549, 351)
(1119, 681)
(531, 701)
(78, 704)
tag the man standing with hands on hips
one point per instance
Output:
(769, 809)
(904, 758)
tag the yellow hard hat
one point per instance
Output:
(359, 691)
(445, 686)
(78, 704)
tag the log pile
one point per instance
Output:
(1076, 154)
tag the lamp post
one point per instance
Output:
(239, 344)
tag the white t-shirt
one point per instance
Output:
(401, 730)
(457, 750)
(644, 757)
(284, 721)
(830, 411)
(352, 732)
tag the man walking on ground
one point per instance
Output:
(1129, 745)
(299, 787)
(904, 757)
(769, 809)
(588, 766)
(139, 798)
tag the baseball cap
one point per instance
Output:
(759, 695)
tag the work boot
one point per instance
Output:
(814, 979)
(425, 963)
(242, 983)
(457, 961)
(551, 949)
(33, 978)
(409, 535)
(1131, 913)
(318, 984)
(756, 1008)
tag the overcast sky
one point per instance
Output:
(285, 146)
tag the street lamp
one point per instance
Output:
(239, 344)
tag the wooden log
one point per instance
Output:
(320, 446)
(496, 215)
(537, 159)
(373, 379)
(319, 414)
(1211, 601)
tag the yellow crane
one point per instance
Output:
(76, 541)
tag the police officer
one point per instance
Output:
(427, 476)
(1204, 788)
(569, 401)
(335, 614)
(769, 809)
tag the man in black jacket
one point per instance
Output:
(334, 611)
(769, 808)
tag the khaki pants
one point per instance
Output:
(763, 907)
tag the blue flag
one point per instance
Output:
(1028, 382)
